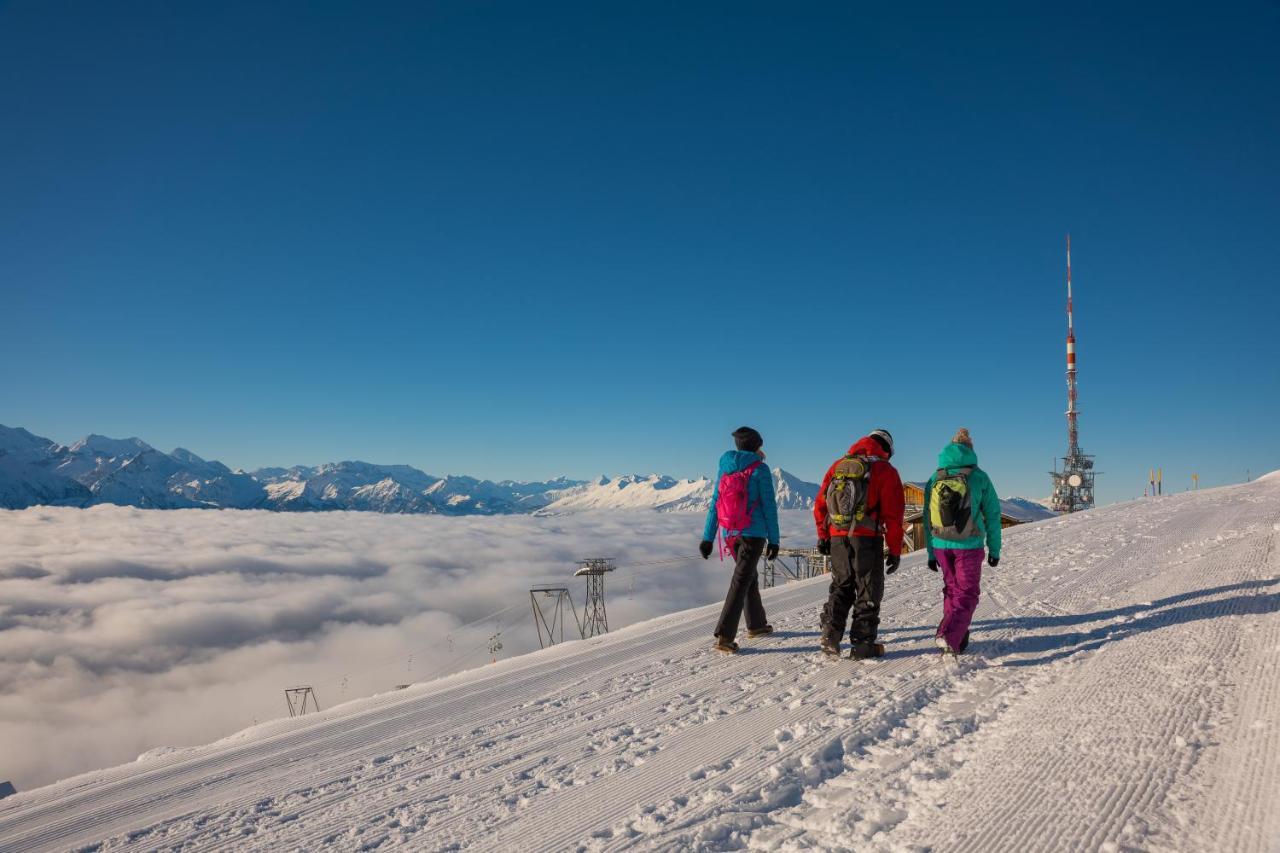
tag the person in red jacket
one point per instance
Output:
(858, 512)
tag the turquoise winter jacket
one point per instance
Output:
(764, 509)
(986, 504)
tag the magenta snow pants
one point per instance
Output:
(961, 574)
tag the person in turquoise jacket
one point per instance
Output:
(961, 514)
(748, 543)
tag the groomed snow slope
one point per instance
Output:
(1123, 692)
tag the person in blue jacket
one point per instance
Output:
(746, 544)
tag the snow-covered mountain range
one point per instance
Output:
(96, 470)
(36, 471)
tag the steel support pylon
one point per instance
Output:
(595, 617)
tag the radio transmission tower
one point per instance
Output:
(594, 618)
(1073, 485)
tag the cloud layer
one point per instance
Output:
(124, 630)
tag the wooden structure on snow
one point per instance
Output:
(914, 532)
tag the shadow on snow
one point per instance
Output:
(1033, 637)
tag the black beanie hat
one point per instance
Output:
(745, 438)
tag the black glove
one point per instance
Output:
(771, 552)
(824, 547)
(705, 549)
(933, 565)
(993, 561)
(891, 563)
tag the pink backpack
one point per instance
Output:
(733, 509)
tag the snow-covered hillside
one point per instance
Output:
(1122, 693)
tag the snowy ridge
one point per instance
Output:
(666, 494)
(633, 492)
(1122, 693)
(1025, 509)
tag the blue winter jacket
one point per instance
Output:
(764, 509)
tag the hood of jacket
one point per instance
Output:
(736, 460)
(957, 456)
(867, 446)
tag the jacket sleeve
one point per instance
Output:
(891, 507)
(991, 516)
(820, 507)
(768, 503)
(924, 516)
(709, 529)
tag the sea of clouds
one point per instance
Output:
(126, 630)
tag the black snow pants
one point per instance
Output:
(857, 584)
(744, 590)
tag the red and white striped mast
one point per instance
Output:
(1073, 485)
(1073, 438)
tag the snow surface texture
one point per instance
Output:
(1123, 693)
(95, 470)
(123, 630)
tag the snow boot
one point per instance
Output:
(760, 632)
(830, 647)
(964, 644)
(728, 647)
(865, 651)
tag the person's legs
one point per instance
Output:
(963, 587)
(756, 618)
(835, 613)
(868, 567)
(946, 558)
(747, 552)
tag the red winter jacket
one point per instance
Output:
(884, 498)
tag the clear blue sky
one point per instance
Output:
(522, 239)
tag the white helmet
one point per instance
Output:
(885, 438)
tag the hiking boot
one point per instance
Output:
(760, 632)
(830, 647)
(862, 651)
(964, 644)
(729, 647)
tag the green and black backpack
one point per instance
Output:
(951, 505)
(847, 494)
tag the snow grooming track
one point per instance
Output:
(1121, 693)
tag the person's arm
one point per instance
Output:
(991, 515)
(924, 517)
(820, 507)
(709, 529)
(768, 503)
(892, 507)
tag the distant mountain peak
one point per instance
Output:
(184, 455)
(102, 445)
